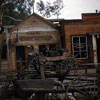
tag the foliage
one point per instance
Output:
(49, 8)
(18, 9)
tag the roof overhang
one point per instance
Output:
(93, 33)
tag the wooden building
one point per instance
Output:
(36, 34)
(82, 37)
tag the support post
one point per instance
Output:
(42, 72)
(94, 49)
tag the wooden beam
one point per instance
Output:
(94, 48)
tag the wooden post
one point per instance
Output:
(13, 57)
(8, 53)
(41, 59)
(42, 71)
(94, 48)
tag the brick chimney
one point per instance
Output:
(96, 11)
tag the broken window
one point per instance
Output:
(42, 49)
(49, 50)
(79, 47)
(52, 46)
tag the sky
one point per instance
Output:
(74, 8)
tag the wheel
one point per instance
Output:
(84, 87)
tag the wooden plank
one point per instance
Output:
(35, 29)
(37, 84)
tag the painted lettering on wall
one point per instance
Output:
(34, 38)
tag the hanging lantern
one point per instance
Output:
(98, 36)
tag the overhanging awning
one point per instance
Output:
(93, 33)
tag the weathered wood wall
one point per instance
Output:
(90, 23)
(33, 31)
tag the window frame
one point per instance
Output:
(49, 48)
(80, 51)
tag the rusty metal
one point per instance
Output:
(41, 79)
(40, 67)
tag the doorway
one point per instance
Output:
(20, 53)
(98, 48)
